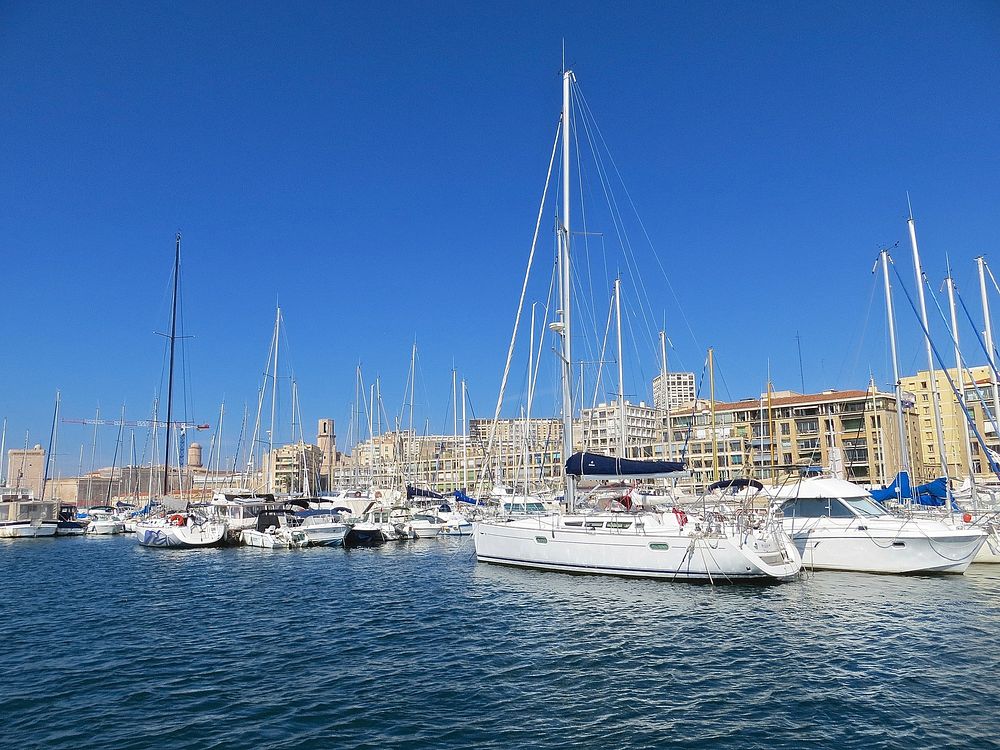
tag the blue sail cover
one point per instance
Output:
(596, 466)
(461, 497)
(899, 488)
(412, 492)
(934, 493)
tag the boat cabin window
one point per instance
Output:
(530, 507)
(573, 523)
(619, 524)
(866, 506)
(816, 507)
(594, 524)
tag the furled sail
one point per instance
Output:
(412, 492)
(596, 466)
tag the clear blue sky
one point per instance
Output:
(376, 168)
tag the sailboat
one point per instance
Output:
(667, 544)
(194, 527)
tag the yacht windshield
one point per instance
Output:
(865, 506)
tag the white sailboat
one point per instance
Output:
(195, 527)
(658, 544)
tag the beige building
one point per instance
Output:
(293, 468)
(25, 468)
(772, 437)
(953, 420)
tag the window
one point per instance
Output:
(807, 425)
(806, 507)
(786, 428)
(865, 506)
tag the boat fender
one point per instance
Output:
(177, 519)
(967, 517)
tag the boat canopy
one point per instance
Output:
(412, 492)
(461, 497)
(596, 466)
(933, 493)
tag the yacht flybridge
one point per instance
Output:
(837, 525)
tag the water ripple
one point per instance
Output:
(111, 645)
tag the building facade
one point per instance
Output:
(979, 384)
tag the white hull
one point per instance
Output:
(27, 529)
(894, 546)
(990, 551)
(105, 527)
(282, 538)
(424, 531)
(163, 534)
(652, 551)
(325, 535)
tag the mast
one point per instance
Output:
(666, 393)
(904, 454)
(274, 401)
(52, 438)
(114, 460)
(621, 370)
(170, 375)
(531, 396)
(932, 376)
(990, 352)
(711, 385)
(961, 390)
(465, 444)
(93, 457)
(3, 453)
(564, 289)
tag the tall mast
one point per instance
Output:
(564, 288)
(621, 369)
(274, 401)
(931, 375)
(904, 454)
(666, 393)
(465, 444)
(711, 385)
(52, 437)
(3, 453)
(961, 390)
(531, 398)
(990, 353)
(170, 375)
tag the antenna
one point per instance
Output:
(909, 206)
(802, 377)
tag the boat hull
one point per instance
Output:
(544, 544)
(364, 537)
(27, 529)
(211, 534)
(910, 547)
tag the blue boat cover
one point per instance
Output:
(599, 467)
(934, 493)
(412, 492)
(461, 497)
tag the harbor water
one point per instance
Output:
(111, 645)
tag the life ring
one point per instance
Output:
(177, 519)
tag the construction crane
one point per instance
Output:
(182, 426)
(139, 423)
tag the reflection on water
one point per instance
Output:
(415, 645)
